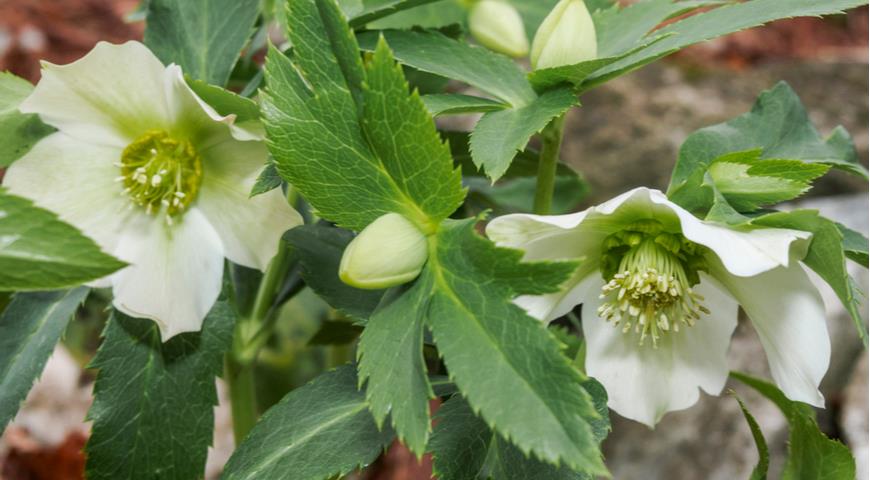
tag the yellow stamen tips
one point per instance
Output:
(649, 292)
(161, 173)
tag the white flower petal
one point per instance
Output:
(250, 228)
(175, 273)
(110, 96)
(75, 180)
(788, 313)
(744, 253)
(644, 383)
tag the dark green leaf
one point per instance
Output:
(226, 102)
(506, 363)
(38, 251)
(375, 147)
(361, 12)
(718, 22)
(825, 256)
(435, 53)
(336, 332)
(778, 125)
(268, 180)
(204, 37)
(391, 363)
(320, 431)
(854, 244)
(499, 136)
(439, 14)
(29, 329)
(760, 470)
(452, 104)
(811, 454)
(153, 401)
(18, 131)
(319, 248)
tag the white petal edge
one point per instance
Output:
(75, 180)
(249, 227)
(644, 383)
(110, 96)
(175, 273)
(788, 313)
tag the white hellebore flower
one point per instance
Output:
(155, 176)
(660, 290)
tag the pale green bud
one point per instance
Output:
(498, 26)
(389, 252)
(566, 37)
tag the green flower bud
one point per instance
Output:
(566, 37)
(389, 252)
(498, 26)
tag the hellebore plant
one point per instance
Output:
(660, 290)
(266, 216)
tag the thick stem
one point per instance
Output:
(243, 396)
(551, 144)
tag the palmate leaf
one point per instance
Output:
(320, 431)
(153, 401)
(38, 251)
(30, 327)
(18, 131)
(350, 137)
(777, 128)
(504, 362)
(204, 37)
(811, 454)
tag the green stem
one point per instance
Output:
(551, 144)
(243, 396)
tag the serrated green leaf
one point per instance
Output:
(826, 256)
(778, 125)
(499, 136)
(39, 252)
(18, 131)
(373, 146)
(361, 12)
(391, 360)
(854, 244)
(267, 180)
(453, 104)
(320, 431)
(435, 53)
(811, 454)
(531, 394)
(204, 37)
(464, 447)
(748, 183)
(717, 22)
(153, 401)
(319, 249)
(760, 470)
(29, 329)
(439, 14)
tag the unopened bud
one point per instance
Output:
(389, 252)
(498, 26)
(567, 36)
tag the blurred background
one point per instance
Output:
(626, 134)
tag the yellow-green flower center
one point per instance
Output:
(161, 173)
(650, 275)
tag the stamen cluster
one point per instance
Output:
(161, 173)
(650, 289)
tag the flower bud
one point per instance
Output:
(498, 26)
(566, 37)
(390, 251)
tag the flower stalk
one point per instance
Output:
(551, 145)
